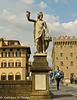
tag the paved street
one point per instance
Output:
(65, 92)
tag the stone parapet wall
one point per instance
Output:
(65, 37)
(15, 90)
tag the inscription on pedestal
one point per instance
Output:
(40, 82)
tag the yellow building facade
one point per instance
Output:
(13, 60)
(64, 55)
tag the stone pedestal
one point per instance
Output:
(40, 78)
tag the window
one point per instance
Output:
(11, 49)
(67, 58)
(71, 46)
(11, 43)
(11, 76)
(72, 75)
(71, 54)
(55, 43)
(63, 43)
(67, 67)
(56, 58)
(4, 54)
(17, 77)
(71, 63)
(18, 64)
(3, 64)
(61, 54)
(3, 49)
(3, 77)
(66, 43)
(18, 49)
(61, 63)
(11, 54)
(18, 54)
(61, 47)
(11, 64)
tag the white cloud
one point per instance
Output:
(28, 1)
(56, 1)
(74, 15)
(42, 5)
(60, 29)
(63, 29)
(14, 27)
(51, 18)
(64, 1)
(1, 27)
(23, 6)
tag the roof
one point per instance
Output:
(12, 41)
(16, 46)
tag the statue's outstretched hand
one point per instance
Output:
(27, 13)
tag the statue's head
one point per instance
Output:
(40, 15)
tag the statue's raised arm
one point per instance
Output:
(28, 16)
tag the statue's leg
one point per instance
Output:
(43, 44)
(37, 45)
(40, 42)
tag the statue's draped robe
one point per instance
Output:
(38, 30)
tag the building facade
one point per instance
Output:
(64, 55)
(13, 60)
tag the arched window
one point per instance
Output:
(17, 76)
(11, 63)
(3, 64)
(3, 76)
(18, 63)
(11, 76)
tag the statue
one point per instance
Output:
(41, 39)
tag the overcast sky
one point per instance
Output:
(60, 16)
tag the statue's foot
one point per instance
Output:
(44, 52)
(35, 52)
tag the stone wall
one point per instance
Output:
(64, 55)
(15, 90)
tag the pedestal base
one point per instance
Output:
(40, 78)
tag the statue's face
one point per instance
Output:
(41, 16)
